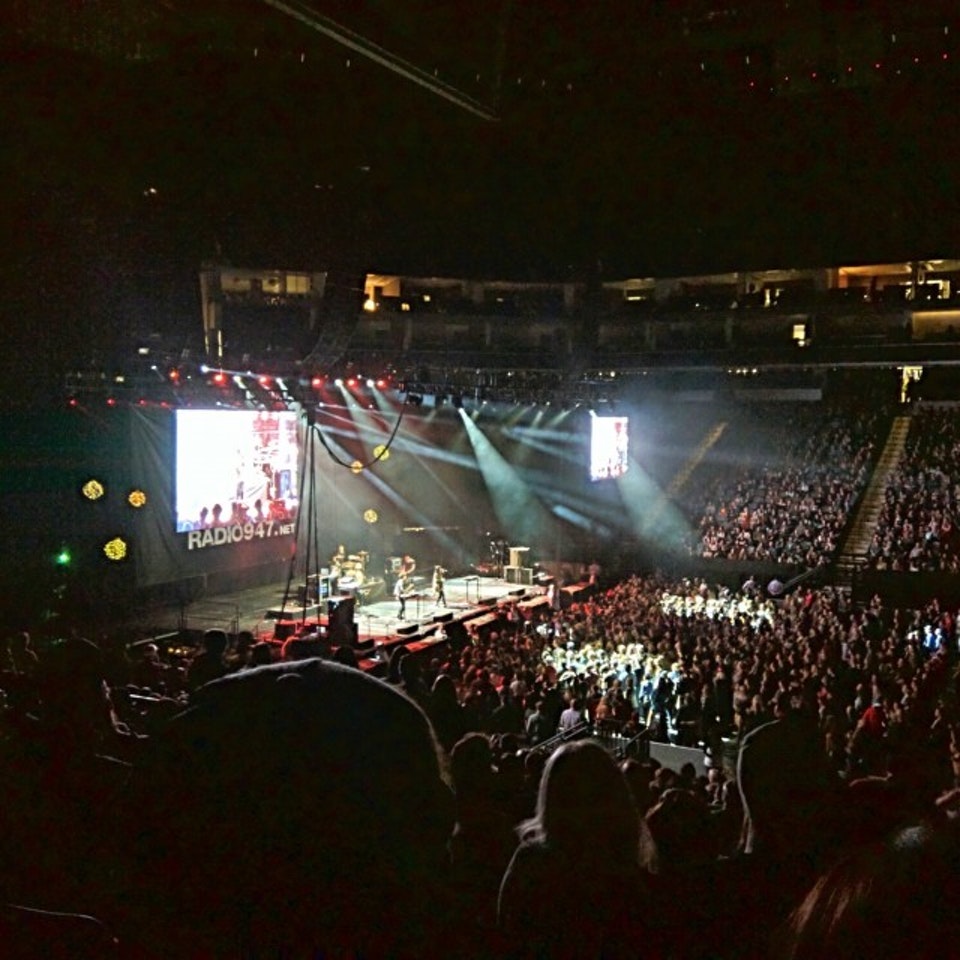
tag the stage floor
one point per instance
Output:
(259, 608)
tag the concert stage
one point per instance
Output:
(271, 613)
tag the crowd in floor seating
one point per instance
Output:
(916, 530)
(788, 496)
(239, 801)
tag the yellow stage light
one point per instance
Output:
(115, 549)
(93, 490)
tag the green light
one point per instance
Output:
(63, 558)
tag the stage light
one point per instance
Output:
(115, 549)
(381, 452)
(370, 383)
(338, 382)
(111, 401)
(263, 380)
(93, 490)
(219, 378)
(63, 558)
(137, 499)
(371, 515)
(356, 466)
(316, 383)
(352, 382)
(381, 383)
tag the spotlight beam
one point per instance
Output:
(518, 509)
(648, 509)
(417, 517)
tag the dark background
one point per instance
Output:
(625, 140)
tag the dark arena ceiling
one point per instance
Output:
(534, 140)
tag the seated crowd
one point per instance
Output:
(239, 801)
(787, 497)
(916, 529)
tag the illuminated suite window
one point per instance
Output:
(298, 283)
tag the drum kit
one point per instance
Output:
(351, 571)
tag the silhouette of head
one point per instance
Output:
(280, 808)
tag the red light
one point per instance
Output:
(220, 378)
(72, 402)
(316, 383)
(141, 402)
(916, 59)
(813, 76)
(352, 382)
(381, 384)
(876, 66)
(111, 402)
(849, 69)
(174, 374)
(263, 380)
(946, 56)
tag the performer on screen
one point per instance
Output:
(400, 592)
(439, 579)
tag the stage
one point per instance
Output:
(472, 604)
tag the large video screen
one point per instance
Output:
(609, 447)
(236, 468)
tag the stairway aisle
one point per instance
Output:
(858, 539)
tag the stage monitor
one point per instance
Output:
(609, 447)
(236, 470)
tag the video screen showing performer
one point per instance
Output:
(235, 467)
(609, 447)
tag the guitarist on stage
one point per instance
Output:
(400, 589)
(439, 579)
